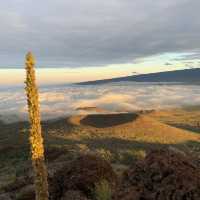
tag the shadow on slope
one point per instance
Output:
(108, 120)
(118, 150)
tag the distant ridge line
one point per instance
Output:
(182, 76)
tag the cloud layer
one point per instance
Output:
(63, 101)
(92, 32)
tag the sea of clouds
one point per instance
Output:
(60, 101)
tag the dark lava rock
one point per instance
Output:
(162, 175)
(81, 175)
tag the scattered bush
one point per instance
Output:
(82, 175)
(163, 174)
(105, 154)
(103, 190)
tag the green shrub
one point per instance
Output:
(103, 191)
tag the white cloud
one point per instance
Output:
(63, 101)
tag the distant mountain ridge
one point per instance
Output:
(182, 76)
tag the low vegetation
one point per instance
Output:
(163, 174)
(103, 190)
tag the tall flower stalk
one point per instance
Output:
(35, 138)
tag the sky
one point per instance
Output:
(76, 40)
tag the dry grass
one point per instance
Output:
(187, 118)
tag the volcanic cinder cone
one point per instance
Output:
(36, 139)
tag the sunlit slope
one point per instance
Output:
(187, 118)
(132, 126)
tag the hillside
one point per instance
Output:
(132, 126)
(183, 76)
(119, 138)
